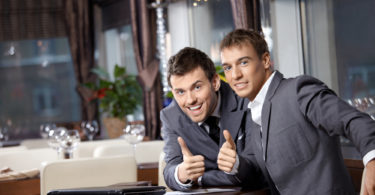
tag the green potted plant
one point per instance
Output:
(117, 98)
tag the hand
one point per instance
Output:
(370, 178)
(227, 154)
(192, 167)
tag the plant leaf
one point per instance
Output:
(101, 72)
(119, 71)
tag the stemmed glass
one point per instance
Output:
(4, 133)
(134, 133)
(54, 138)
(69, 142)
(91, 128)
(45, 128)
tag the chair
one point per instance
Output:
(87, 172)
(162, 164)
(146, 152)
(86, 149)
(11, 149)
(27, 159)
(161, 181)
(35, 143)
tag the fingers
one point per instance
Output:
(226, 159)
(184, 149)
(225, 166)
(229, 139)
(227, 154)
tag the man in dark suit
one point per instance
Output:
(295, 123)
(192, 139)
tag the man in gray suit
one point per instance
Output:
(295, 123)
(192, 139)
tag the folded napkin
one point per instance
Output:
(7, 173)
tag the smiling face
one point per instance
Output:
(244, 70)
(195, 93)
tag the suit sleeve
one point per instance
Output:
(173, 155)
(326, 111)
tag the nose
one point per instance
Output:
(191, 98)
(236, 73)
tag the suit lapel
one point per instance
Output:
(231, 117)
(266, 111)
(231, 121)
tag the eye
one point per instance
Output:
(227, 68)
(197, 87)
(180, 92)
(244, 62)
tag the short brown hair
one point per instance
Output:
(186, 60)
(239, 37)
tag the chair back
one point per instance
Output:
(87, 172)
(146, 152)
(35, 143)
(10, 149)
(27, 159)
(86, 149)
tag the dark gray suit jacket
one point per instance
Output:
(301, 123)
(175, 123)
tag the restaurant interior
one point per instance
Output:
(83, 82)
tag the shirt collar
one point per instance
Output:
(259, 99)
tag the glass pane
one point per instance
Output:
(211, 21)
(119, 49)
(37, 86)
(341, 42)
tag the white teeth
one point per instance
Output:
(239, 84)
(195, 107)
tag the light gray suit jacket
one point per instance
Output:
(299, 144)
(175, 123)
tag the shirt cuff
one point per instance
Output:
(184, 186)
(369, 156)
(200, 181)
(235, 167)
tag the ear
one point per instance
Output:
(216, 82)
(266, 59)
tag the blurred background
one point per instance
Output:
(48, 49)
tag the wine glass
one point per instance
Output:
(45, 128)
(91, 128)
(4, 136)
(134, 133)
(69, 142)
(54, 138)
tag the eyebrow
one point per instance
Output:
(238, 60)
(243, 58)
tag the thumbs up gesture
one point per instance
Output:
(227, 154)
(192, 167)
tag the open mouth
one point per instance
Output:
(240, 85)
(195, 108)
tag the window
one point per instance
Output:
(199, 24)
(340, 45)
(37, 85)
(332, 40)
